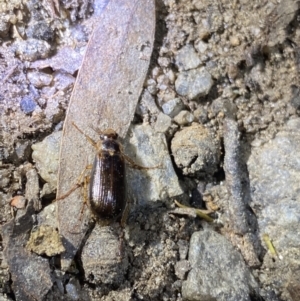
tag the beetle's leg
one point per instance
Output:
(85, 195)
(78, 183)
(89, 139)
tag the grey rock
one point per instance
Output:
(200, 115)
(47, 191)
(151, 86)
(27, 269)
(274, 172)
(48, 216)
(163, 123)
(4, 24)
(32, 49)
(46, 156)
(27, 105)
(73, 289)
(53, 111)
(193, 83)
(183, 248)
(274, 168)
(215, 19)
(103, 256)
(32, 189)
(218, 271)
(196, 151)
(149, 148)
(181, 268)
(147, 103)
(184, 118)
(187, 58)
(39, 79)
(201, 46)
(63, 80)
(286, 213)
(173, 107)
(22, 152)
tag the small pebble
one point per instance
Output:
(196, 150)
(184, 117)
(201, 46)
(27, 105)
(33, 49)
(163, 122)
(39, 79)
(187, 58)
(173, 107)
(46, 156)
(45, 240)
(181, 268)
(194, 83)
(234, 41)
(200, 115)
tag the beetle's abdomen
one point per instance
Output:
(107, 186)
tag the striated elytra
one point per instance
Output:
(107, 189)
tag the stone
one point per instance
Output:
(39, 79)
(184, 118)
(32, 49)
(274, 172)
(101, 256)
(32, 188)
(46, 156)
(181, 268)
(218, 271)
(193, 83)
(274, 168)
(45, 240)
(201, 46)
(27, 104)
(163, 123)
(172, 107)
(187, 58)
(196, 151)
(26, 268)
(148, 148)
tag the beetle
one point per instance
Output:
(107, 182)
(107, 189)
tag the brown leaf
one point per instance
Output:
(105, 95)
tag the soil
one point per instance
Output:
(250, 50)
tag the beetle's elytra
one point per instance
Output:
(107, 191)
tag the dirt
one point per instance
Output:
(249, 48)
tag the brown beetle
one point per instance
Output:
(107, 183)
(107, 190)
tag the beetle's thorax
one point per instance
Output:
(109, 145)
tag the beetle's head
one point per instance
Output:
(108, 134)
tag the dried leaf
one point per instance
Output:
(105, 95)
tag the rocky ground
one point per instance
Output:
(220, 109)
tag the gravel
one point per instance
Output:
(193, 83)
